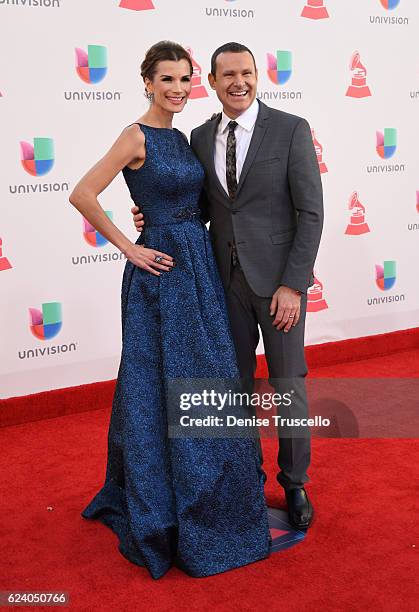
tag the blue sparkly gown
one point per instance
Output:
(196, 503)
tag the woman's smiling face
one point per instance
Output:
(171, 85)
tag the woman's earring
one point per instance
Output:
(149, 95)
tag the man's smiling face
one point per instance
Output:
(235, 82)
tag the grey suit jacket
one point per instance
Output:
(276, 218)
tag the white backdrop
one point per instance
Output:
(47, 260)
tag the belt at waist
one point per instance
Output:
(168, 217)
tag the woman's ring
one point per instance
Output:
(158, 258)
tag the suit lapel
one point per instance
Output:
(257, 137)
(209, 153)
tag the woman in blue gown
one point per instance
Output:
(196, 503)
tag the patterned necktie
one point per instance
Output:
(231, 160)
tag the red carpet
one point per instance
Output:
(360, 553)
(331, 357)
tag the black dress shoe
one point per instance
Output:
(300, 510)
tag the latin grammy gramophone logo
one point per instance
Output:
(315, 9)
(319, 152)
(137, 5)
(315, 299)
(198, 89)
(358, 87)
(4, 262)
(357, 224)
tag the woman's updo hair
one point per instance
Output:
(164, 50)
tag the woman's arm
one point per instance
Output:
(128, 148)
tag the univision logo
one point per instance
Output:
(385, 275)
(386, 147)
(37, 158)
(279, 70)
(32, 3)
(389, 5)
(410, 226)
(229, 12)
(46, 323)
(386, 143)
(96, 240)
(280, 67)
(92, 65)
(385, 279)
(92, 236)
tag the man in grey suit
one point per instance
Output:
(263, 198)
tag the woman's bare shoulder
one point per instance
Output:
(134, 133)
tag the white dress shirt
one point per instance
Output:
(243, 132)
